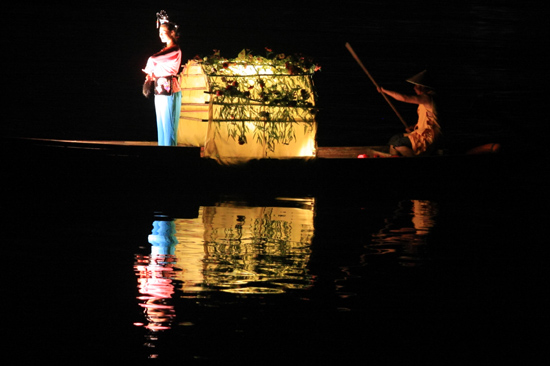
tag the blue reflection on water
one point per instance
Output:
(163, 237)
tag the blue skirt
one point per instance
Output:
(167, 108)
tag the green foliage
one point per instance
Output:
(277, 63)
(273, 92)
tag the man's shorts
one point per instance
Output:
(400, 140)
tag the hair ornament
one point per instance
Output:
(162, 18)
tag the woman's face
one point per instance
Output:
(165, 34)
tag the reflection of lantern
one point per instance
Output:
(237, 248)
(254, 108)
(257, 249)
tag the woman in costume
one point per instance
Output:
(420, 139)
(162, 69)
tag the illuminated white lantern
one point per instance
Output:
(249, 107)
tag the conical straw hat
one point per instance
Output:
(422, 78)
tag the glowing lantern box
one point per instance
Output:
(249, 107)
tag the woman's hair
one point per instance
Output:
(172, 27)
(163, 20)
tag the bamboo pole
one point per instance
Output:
(348, 46)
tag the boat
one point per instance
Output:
(51, 165)
(247, 125)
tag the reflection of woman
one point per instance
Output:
(420, 140)
(156, 275)
(162, 69)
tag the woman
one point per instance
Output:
(162, 69)
(421, 139)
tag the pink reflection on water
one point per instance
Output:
(155, 284)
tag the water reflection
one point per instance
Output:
(232, 258)
(156, 274)
(405, 232)
(229, 247)
(257, 249)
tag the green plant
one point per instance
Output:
(267, 94)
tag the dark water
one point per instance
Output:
(443, 278)
(377, 279)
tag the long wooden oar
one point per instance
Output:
(348, 46)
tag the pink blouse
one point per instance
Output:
(165, 63)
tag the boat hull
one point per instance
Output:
(85, 167)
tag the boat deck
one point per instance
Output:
(140, 167)
(325, 152)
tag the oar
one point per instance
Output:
(348, 46)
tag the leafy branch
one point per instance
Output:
(272, 92)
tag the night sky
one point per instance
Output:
(75, 72)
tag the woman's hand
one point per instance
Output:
(147, 75)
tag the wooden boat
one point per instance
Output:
(130, 166)
(237, 110)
